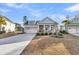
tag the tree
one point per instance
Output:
(66, 22)
(2, 22)
(25, 20)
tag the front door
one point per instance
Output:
(47, 28)
(41, 28)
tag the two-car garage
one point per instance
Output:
(31, 29)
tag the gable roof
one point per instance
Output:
(7, 19)
(75, 20)
(47, 20)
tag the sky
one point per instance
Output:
(38, 11)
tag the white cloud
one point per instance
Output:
(14, 5)
(58, 17)
(39, 12)
(73, 8)
(4, 10)
(34, 12)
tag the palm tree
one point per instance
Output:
(66, 22)
(25, 20)
(2, 22)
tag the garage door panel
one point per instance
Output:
(31, 30)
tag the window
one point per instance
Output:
(3, 28)
(41, 28)
(52, 27)
(46, 27)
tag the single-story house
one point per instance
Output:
(45, 25)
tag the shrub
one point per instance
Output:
(18, 28)
(46, 33)
(42, 33)
(2, 32)
(50, 33)
(38, 33)
(54, 33)
(64, 32)
(60, 34)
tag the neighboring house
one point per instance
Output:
(62, 27)
(73, 27)
(45, 25)
(19, 28)
(9, 27)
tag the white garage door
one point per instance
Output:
(31, 30)
(73, 31)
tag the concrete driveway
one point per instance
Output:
(15, 45)
(16, 39)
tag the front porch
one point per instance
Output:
(47, 28)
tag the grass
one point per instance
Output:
(47, 45)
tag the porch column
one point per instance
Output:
(50, 28)
(38, 28)
(44, 27)
(56, 29)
